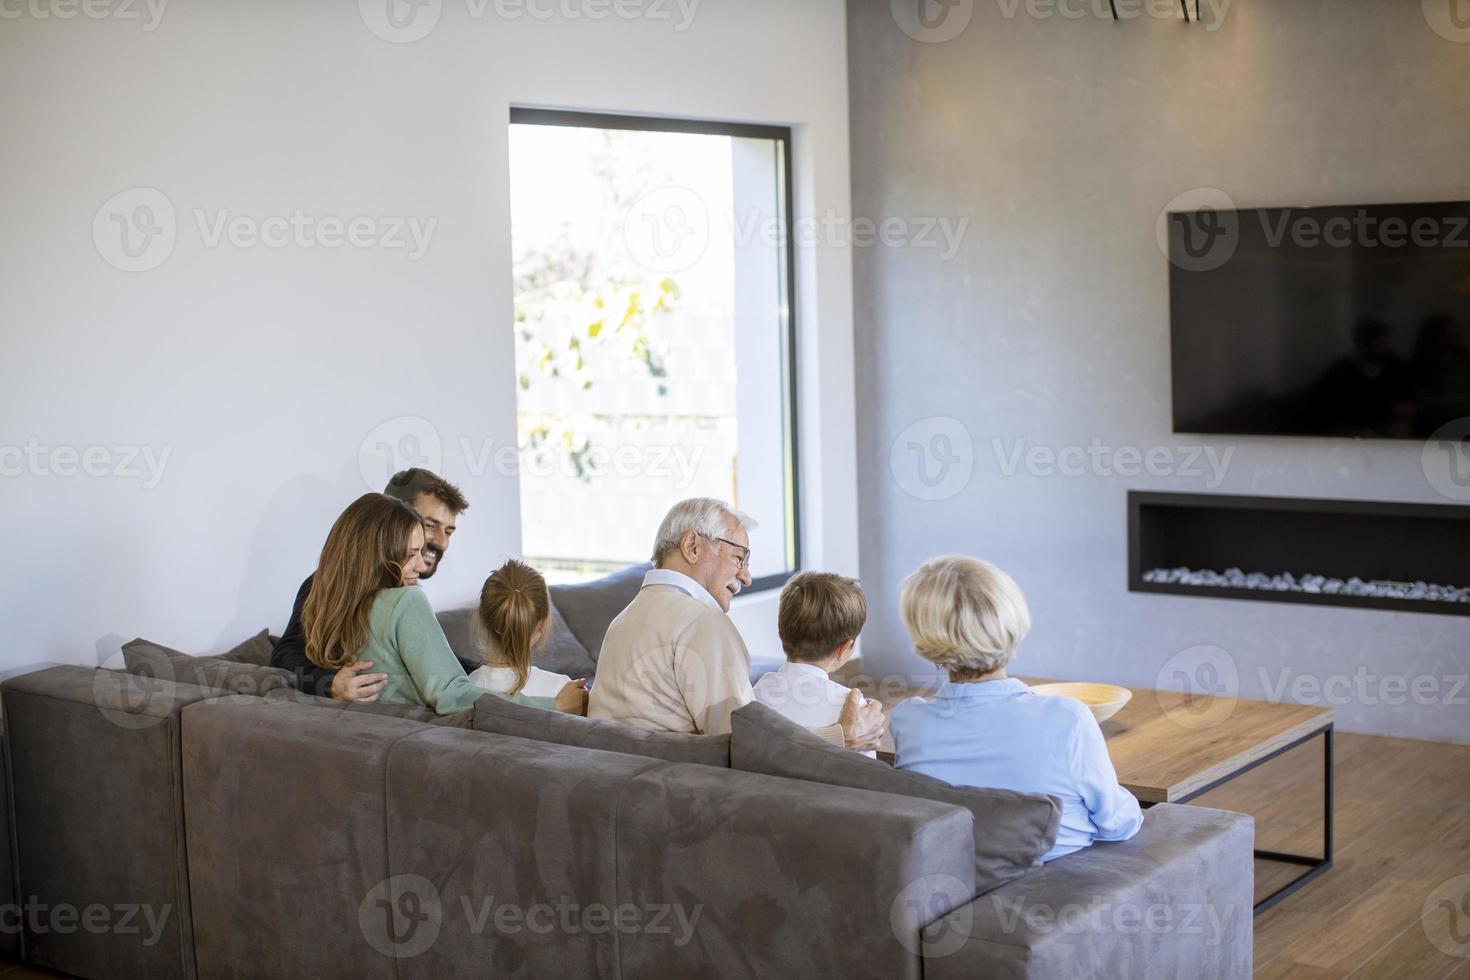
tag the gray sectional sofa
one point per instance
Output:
(214, 822)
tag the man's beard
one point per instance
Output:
(438, 556)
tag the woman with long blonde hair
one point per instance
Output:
(515, 618)
(365, 606)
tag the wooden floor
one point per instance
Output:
(1402, 827)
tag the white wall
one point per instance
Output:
(1061, 138)
(263, 371)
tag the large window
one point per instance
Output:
(653, 330)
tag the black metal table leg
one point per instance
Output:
(1316, 866)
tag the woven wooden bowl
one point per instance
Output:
(1105, 700)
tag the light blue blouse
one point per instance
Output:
(999, 734)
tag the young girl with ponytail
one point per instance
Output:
(515, 615)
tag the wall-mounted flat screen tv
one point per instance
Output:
(1325, 321)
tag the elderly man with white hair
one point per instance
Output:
(672, 661)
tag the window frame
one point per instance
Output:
(782, 136)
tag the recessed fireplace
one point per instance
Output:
(1367, 553)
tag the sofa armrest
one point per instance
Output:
(1173, 901)
(97, 819)
(773, 877)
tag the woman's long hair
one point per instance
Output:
(513, 602)
(363, 555)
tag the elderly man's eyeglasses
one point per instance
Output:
(744, 552)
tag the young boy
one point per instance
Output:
(820, 617)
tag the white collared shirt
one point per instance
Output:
(804, 694)
(682, 582)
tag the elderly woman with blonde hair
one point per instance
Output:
(984, 728)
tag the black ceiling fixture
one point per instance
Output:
(1183, 5)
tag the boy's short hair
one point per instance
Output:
(819, 612)
(964, 614)
(411, 484)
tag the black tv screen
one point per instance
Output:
(1326, 321)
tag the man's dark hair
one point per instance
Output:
(409, 485)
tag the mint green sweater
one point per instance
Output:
(406, 642)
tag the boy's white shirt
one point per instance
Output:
(540, 683)
(804, 694)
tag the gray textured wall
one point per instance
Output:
(1061, 140)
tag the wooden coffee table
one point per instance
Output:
(1170, 747)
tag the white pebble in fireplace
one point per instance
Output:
(1234, 578)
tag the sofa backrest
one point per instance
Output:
(503, 717)
(382, 847)
(97, 807)
(221, 675)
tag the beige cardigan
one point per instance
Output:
(672, 663)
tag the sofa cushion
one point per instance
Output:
(216, 674)
(503, 717)
(590, 607)
(256, 650)
(1012, 830)
(561, 652)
